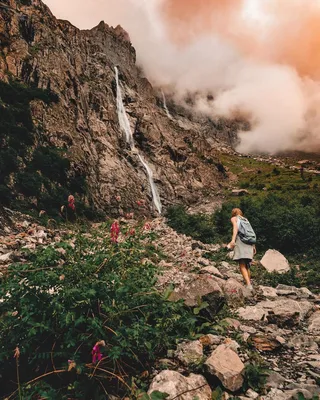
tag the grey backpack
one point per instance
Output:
(246, 232)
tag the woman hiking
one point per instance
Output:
(243, 243)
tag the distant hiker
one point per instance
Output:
(243, 243)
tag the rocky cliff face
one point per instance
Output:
(78, 66)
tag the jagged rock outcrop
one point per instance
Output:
(78, 66)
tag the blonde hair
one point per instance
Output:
(236, 211)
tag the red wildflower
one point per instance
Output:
(147, 226)
(71, 201)
(115, 231)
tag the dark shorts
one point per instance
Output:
(246, 261)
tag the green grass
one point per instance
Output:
(256, 175)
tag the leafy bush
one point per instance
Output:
(288, 225)
(255, 377)
(63, 300)
(198, 226)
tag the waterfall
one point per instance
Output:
(125, 127)
(154, 190)
(122, 115)
(165, 105)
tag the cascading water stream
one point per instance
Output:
(122, 115)
(125, 127)
(165, 105)
(154, 190)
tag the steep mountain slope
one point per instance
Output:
(79, 67)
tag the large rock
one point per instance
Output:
(268, 291)
(225, 364)
(179, 387)
(190, 353)
(283, 312)
(234, 290)
(273, 261)
(200, 288)
(285, 290)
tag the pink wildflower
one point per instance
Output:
(147, 226)
(115, 231)
(96, 351)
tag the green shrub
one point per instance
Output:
(255, 377)
(57, 306)
(198, 226)
(289, 225)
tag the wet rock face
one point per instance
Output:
(79, 67)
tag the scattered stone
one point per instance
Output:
(275, 380)
(180, 387)
(283, 312)
(281, 340)
(314, 323)
(275, 394)
(268, 291)
(202, 287)
(190, 353)
(265, 343)
(248, 329)
(274, 261)
(252, 395)
(211, 270)
(314, 390)
(232, 323)
(284, 290)
(302, 341)
(210, 340)
(4, 258)
(204, 261)
(225, 364)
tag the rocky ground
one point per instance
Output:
(279, 327)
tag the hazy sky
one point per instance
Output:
(260, 58)
(87, 14)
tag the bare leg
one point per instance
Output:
(245, 272)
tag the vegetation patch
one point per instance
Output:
(33, 173)
(65, 298)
